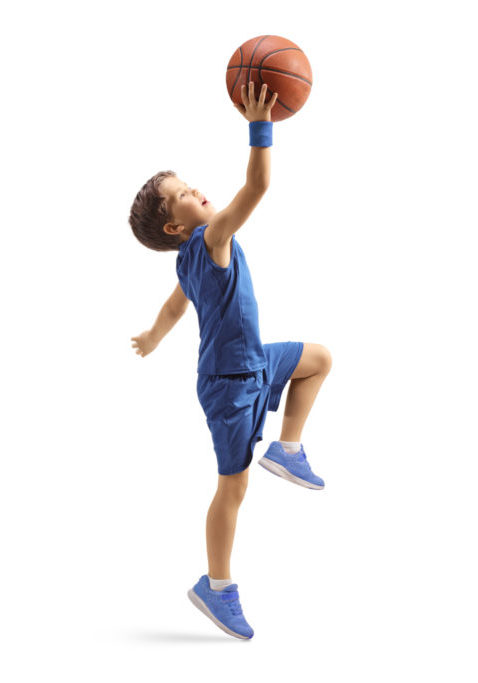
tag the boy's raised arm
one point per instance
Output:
(229, 220)
(259, 168)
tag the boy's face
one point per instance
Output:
(186, 206)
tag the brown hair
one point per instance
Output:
(148, 215)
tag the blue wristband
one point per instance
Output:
(260, 133)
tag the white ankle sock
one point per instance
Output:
(290, 446)
(218, 584)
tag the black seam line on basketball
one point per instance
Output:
(242, 63)
(252, 56)
(238, 73)
(278, 101)
(279, 71)
(281, 49)
(261, 68)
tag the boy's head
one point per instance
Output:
(166, 211)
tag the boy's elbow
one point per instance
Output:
(176, 309)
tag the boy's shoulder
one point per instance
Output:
(202, 239)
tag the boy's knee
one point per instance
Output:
(234, 486)
(327, 359)
(324, 359)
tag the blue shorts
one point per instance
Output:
(236, 405)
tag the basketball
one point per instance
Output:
(276, 61)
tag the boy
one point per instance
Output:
(239, 378)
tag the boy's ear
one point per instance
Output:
(172, 228)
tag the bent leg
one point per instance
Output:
(306, 380)
(221, 522)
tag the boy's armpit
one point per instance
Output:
(221, 253)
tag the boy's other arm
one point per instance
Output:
(178, 301)
(173, 309)
(228, 221)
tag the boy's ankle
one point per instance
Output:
(218, 584)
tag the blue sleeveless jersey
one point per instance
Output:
(226, 307)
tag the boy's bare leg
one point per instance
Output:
(221, 522)
(306, 380)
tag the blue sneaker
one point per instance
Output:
(293, 467)
(222, 607)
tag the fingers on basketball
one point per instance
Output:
(271, 102)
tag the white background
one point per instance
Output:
(365, 242)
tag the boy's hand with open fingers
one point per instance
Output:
(254, 110)
(145, 343)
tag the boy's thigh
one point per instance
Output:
(282, 359)
(235, 409)
(233, 440)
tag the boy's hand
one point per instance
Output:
(145, 343)
(252, 110)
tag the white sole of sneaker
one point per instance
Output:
(201, 605)
(281, 471)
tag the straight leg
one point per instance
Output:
(221, 522)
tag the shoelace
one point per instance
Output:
(231, 598)
(301, 458)
(235, 606)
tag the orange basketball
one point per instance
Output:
(276, 61)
